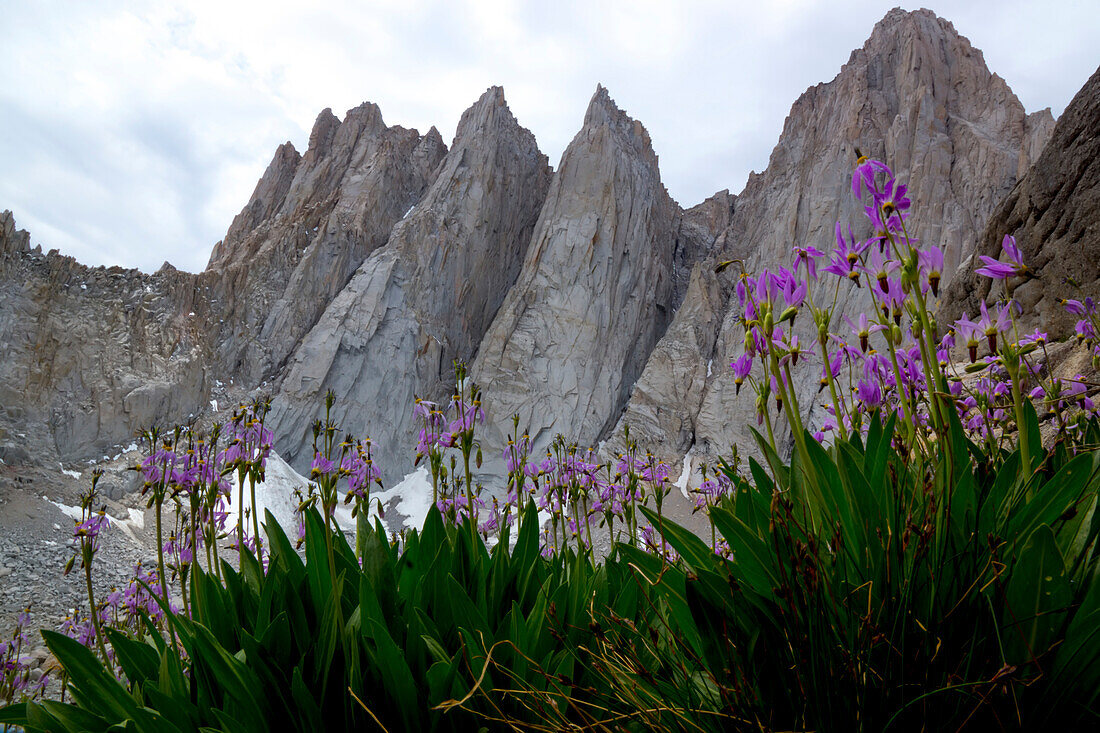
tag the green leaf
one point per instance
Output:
(14, 714)
(753, 561)
(1049, 502)
(779, 469)
(90, 681)
(1034, 437)
(139, 660)
(879, 450)
(50, 715)
(238, 682)
(1037, 597)
(309, 714)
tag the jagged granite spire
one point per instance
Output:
(425, 298)
(274, 275)
(916, 95)
(595, 292)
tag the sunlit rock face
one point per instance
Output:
(425, 298)
(1054, 214)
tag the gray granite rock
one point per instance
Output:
(1054, 213)
(309, 225)
(916, 95)
(93, 354)
(425, 298)
(595, 293)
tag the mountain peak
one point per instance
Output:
(489, 110)
(366, 116)
(324, 128)
(900, 29)
(603, 112)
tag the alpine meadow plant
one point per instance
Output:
(915, 557)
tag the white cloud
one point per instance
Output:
(133, 132)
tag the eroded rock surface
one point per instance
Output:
(595, 293)
(426, 298)
(310, 224)
(918, 96)
(92, 354)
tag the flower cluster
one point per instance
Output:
(19, 679)
(890, 359)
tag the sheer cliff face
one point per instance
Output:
(595, 292)
(1054, 213)
(918, 96)
(310, 223)
(91, 354)
(424, 299)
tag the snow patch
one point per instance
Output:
(414, 497)
(411, 498)
(275, 494)
(135, 520)
(214, 405)
(67, 472)
(709, 365)
(685, 476)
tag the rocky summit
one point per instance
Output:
(916, 95)
(425, 298)
(584, 298)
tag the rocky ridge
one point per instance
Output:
(309, 225)
(410, 310)
(90, 354)
(595, 292)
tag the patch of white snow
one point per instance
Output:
(685, 476)
(275, 494)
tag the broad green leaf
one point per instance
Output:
(139, 660)
(1037, 597)
(90, 681)
(753, 560)
(1049, 502)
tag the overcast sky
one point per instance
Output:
(132, 132)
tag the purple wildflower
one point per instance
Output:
(741, 368)
(863, 330)
(931, 266)
(864, 175)
(998, 270)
